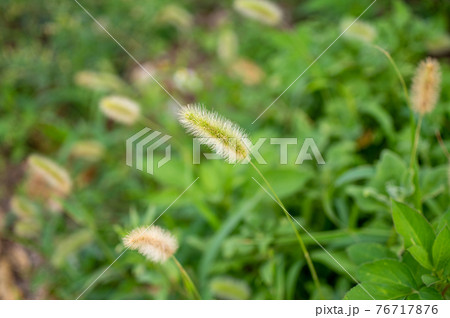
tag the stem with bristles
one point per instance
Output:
(299, 238)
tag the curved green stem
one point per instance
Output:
(397, 71)
(299, 238)
(189, 285)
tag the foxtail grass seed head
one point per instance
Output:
(53, 174)
(96, 81)
(176, 16)
(120, 109)
(247, 71)
(426, 86)
(187, 80)
(90, 150)
(359, 30)
(22, 207)
(154, 243)
(226, 138)
(27, 228)
(227, 46)
(260, 10)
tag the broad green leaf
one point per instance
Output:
(388, 273)
(441, 250)
(429, 280)
(367, 252)
(358, 173)
(429, 293)
(414, 267)
(421, 256)
(412, 226)
(358, 293)
(370, 291)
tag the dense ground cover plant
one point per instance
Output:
(67, 198)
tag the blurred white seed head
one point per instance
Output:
(359, 30)
(260, 10)
(139, 76)
(27, 228)
(22, 207)
(176, 16)
(226, 138)
(98, 81)
(120, 109)
(426, 86)
(247, 71)
(154, 243)
(90, 150)
(49, 171)
(227, 46)
(187, 80)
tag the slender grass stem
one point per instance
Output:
(299, 238)
(415, 131)
(397, 71)
(189, 285)
(416, 142)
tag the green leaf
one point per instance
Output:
(358, 293)
(414, 267)
(370, 291)
(429, 280)
(428, 293)
(421, 256)
(388, 277)
(367, 252)
(355, 174)
(441, 250)
(412, 226)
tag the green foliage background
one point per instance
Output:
(234, 240)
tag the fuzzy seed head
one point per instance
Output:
(359, 30)
(96, 81)
(426, 86)
(227, 46)
(154, 243)
(226, 138)
(90, 150)
(187, 80)
(22, 207)
(247, 71)
(260, 10)
(120, 109)
(53, 174)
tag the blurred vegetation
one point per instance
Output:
(56, 64)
